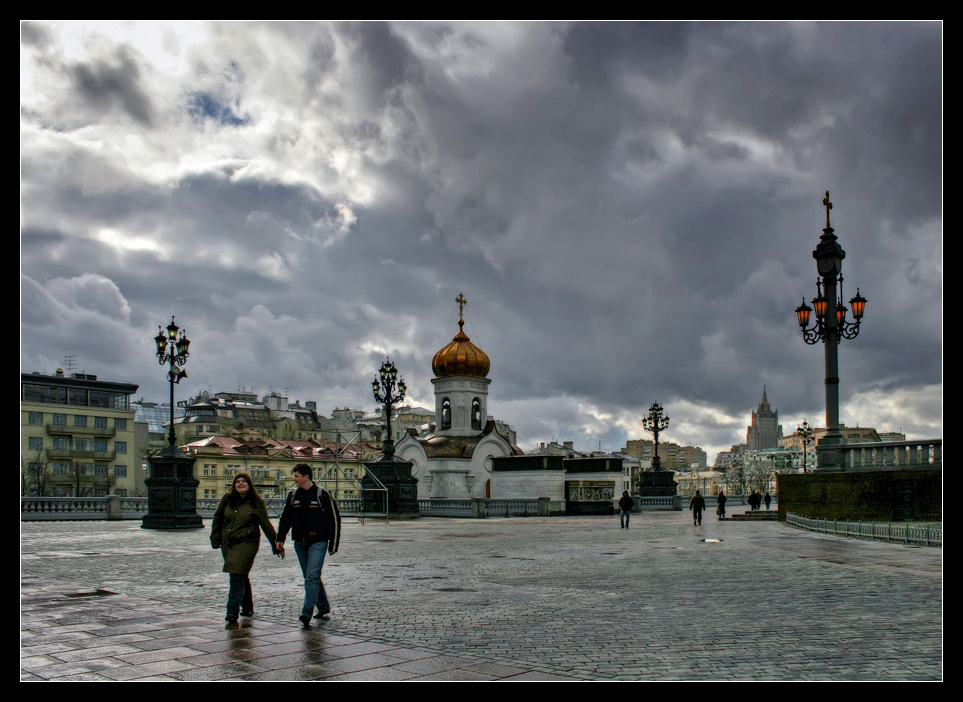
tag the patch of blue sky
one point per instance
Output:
(203, 106)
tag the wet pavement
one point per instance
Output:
(566, 598)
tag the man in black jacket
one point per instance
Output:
(697, 504)
(313, 515)
(625, 509)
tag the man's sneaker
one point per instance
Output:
(305, 619)
(323, 615)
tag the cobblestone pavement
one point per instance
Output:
(515, 599)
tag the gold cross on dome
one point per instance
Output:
(461, 306)
(829, 206)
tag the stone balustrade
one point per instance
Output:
(893, 455)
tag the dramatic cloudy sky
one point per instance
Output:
(630, 210)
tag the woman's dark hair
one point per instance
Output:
(251, 495)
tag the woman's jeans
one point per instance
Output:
(240, 597)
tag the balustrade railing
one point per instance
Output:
(77, 508)
(440, 507)
(512, 508)
(893, 455)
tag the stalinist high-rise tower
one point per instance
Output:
(765, 430)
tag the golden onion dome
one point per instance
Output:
(460, 356)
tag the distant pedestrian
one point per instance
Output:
(767, 499)
(754, 501)
(625, 509)
(697, 504)
(721, 509)
(236, 529)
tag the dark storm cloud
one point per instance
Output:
(630, 209)
(35, 34)
(114, 83)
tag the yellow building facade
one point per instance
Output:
(77, 436)
(270, 463)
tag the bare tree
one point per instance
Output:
(86, 479)
(35, 475)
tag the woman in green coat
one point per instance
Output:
(236, 530)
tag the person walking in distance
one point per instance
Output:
(313, 516)
(625, 509)
(697, 504)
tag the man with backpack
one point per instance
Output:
(313, 516)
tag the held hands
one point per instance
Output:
(279, 549)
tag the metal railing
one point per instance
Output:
(903, 533)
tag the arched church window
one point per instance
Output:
(476, 414)
(446, 414)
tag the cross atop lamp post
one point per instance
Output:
(383, 387)
(656, 421)
(830, 328)
(176, 356)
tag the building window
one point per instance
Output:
(120, 446)
(120, 471)
(35, 443)
(80, 420)
(60, 420)
(100, 422)
(120, 424)
(100, 470)
(82, 444)
(35, 418)
(61, 443)
(100, 445)
(77, 396)
(60, 469)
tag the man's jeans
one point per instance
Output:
(311, 559)
(624, 515)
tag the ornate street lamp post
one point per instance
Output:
(172, 487)
(388, 485)
(383, 387)
(656, 421)
(176, 356)
(806, 434)
(830, 328)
